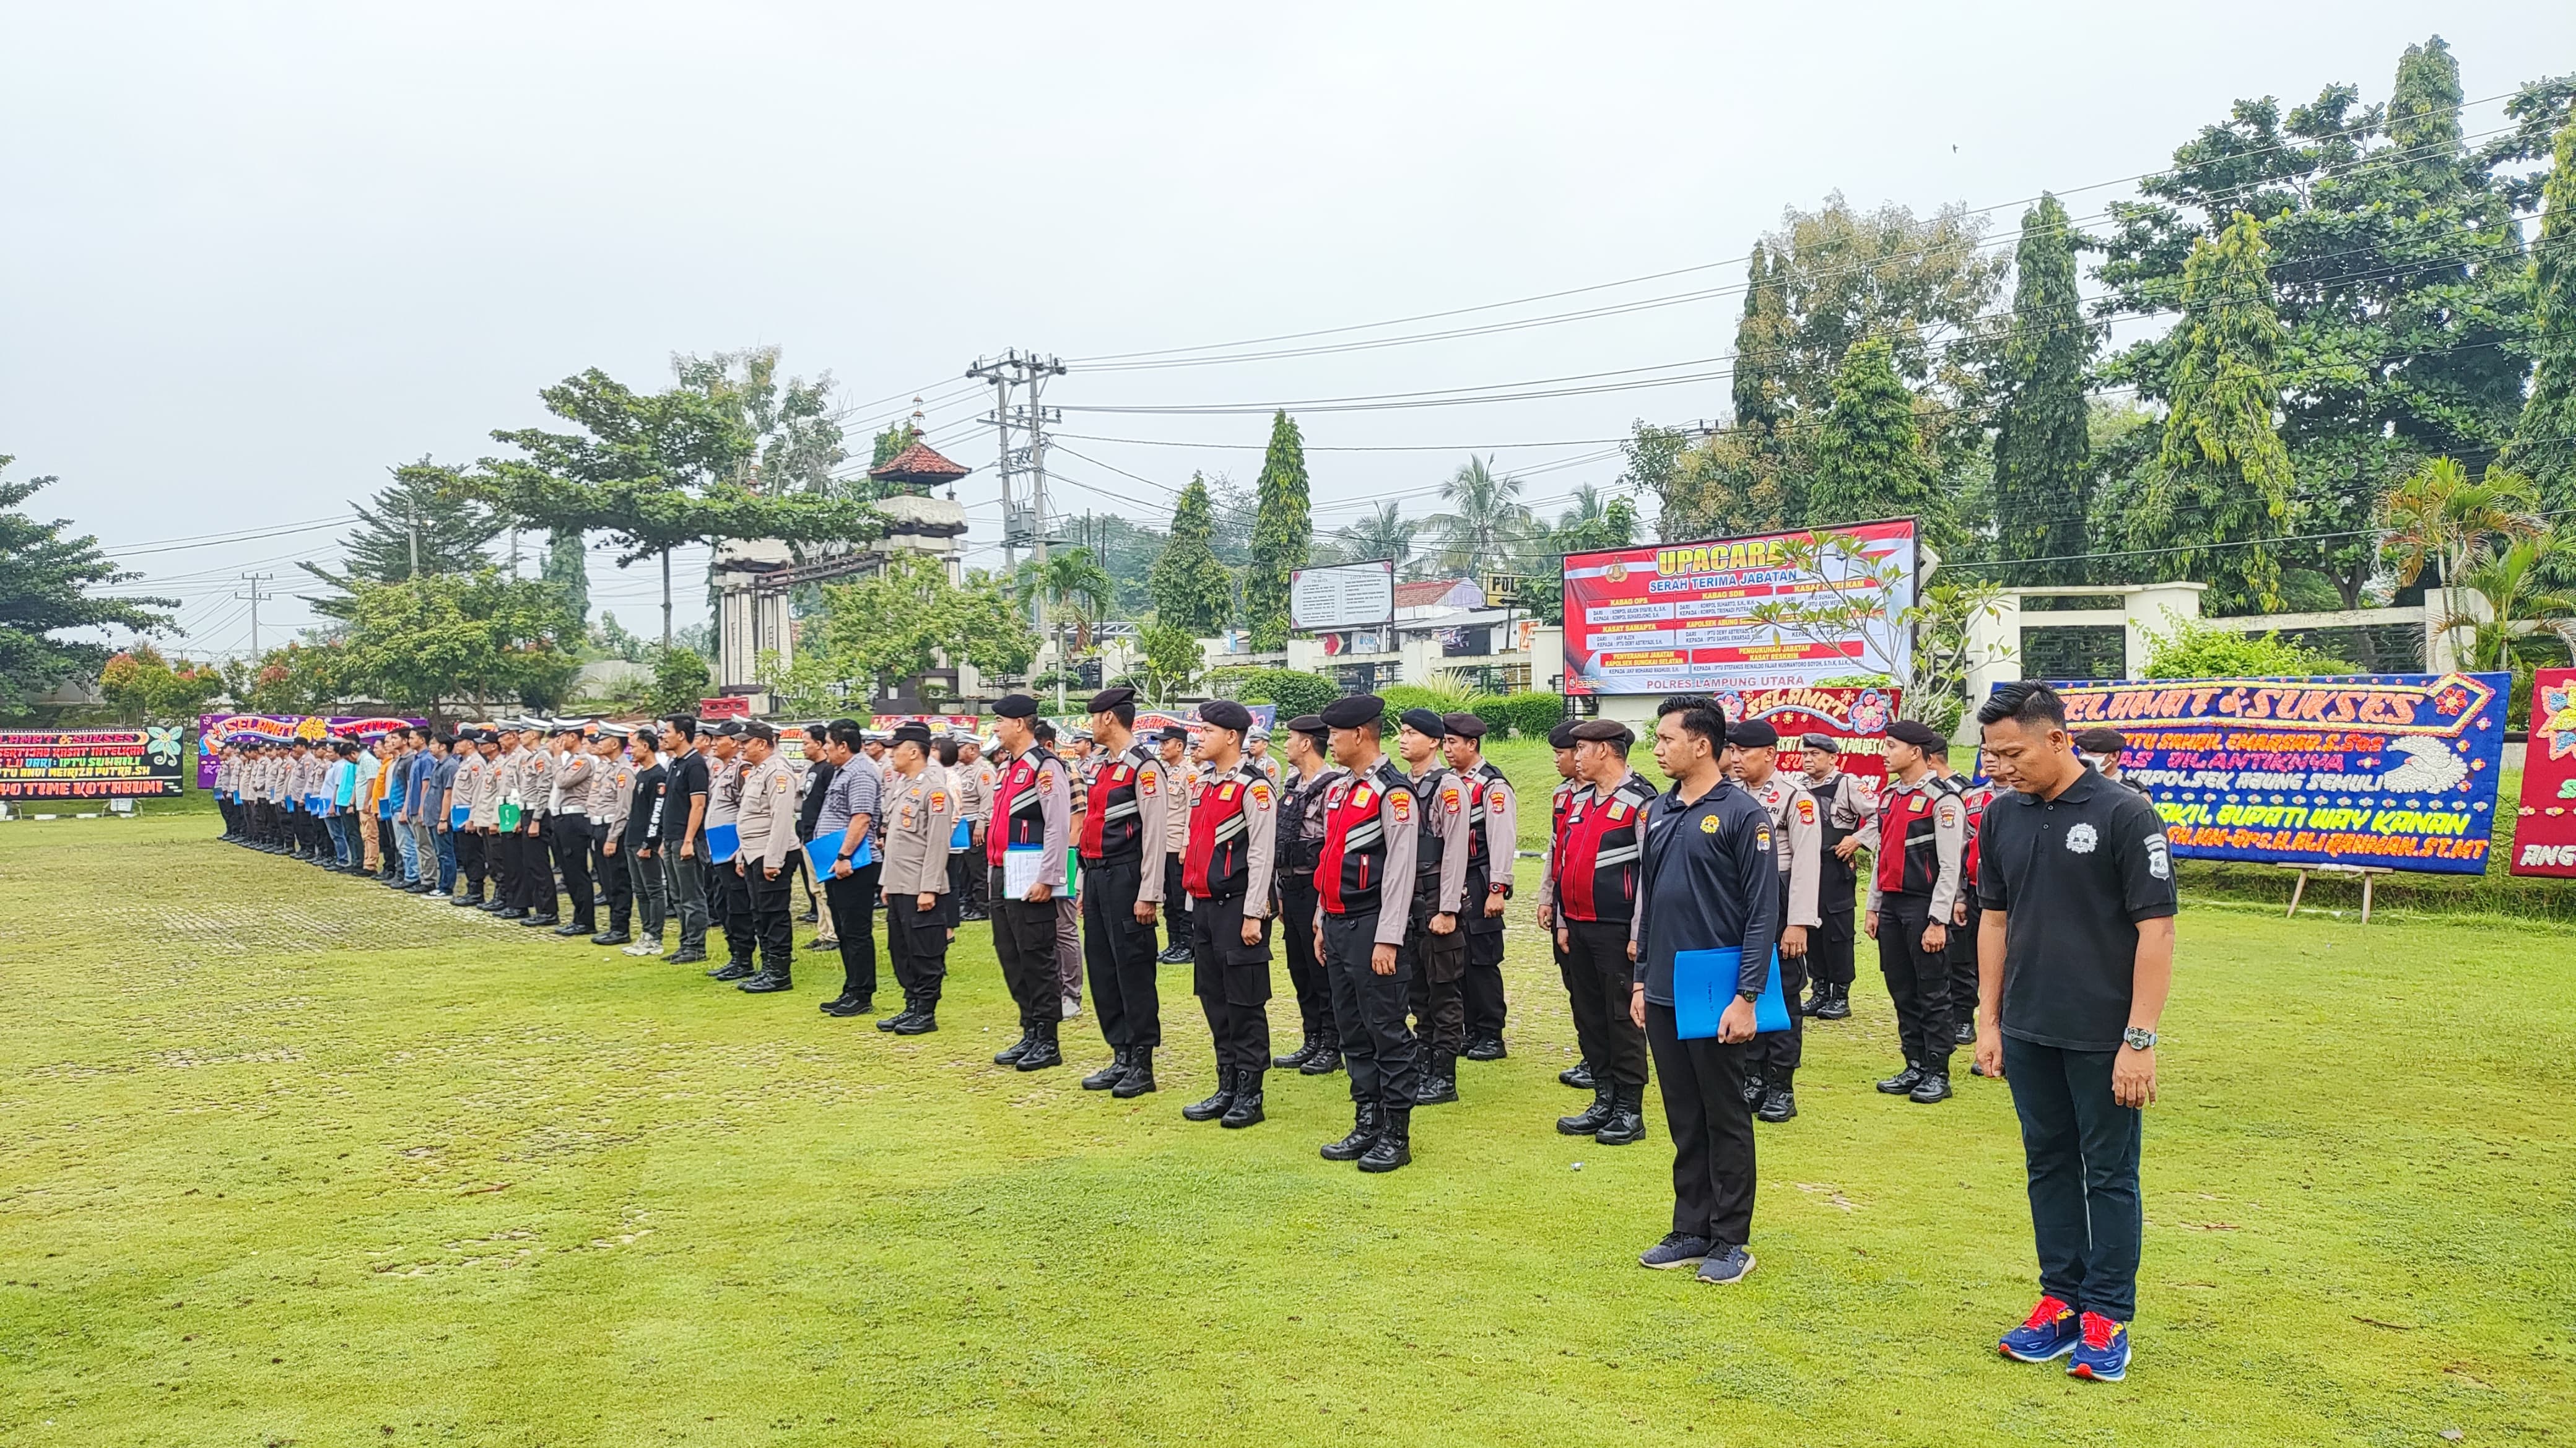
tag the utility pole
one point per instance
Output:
(1014, 370)
(415, 542)
(255, 595)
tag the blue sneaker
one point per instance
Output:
(2050, 1332)
(1725, 1264)
(2103, 1355)
(1678, 1249)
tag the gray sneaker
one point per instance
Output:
(1725, 1264)
(1678, 1249)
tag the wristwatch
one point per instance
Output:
(2139, 1038)
(1749, 996)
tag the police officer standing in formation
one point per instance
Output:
(1709, 883)
(728, 893)
(1301, 834)
(848, 804)
(1592, 906)
(1123, 844)
(1961, 949)
(1560, 743)
(1843, 810)
(682, 840)
(501, 823)
(919, 801)
(1371, 836)
(538, 768)
(819, 770)
(465, 792)
(766, 821)
(612, 786)
(637, 848)
(1914, 882)
(1797, 834)
(1438, 938)
(568, 826)
(1172, 746)
(1491, 850)
(1026, 834)
(975, 776)
(1233, 824)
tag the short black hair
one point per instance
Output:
(1676, 703)
(947, 751)
(2027, 701)
(849, 733)
(443, 741)
(683, 725)
(818, 732)
(1701, 715)
(646, 733)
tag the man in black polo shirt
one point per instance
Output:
(2074, 958)
(1708, 881)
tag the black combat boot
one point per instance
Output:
(1010, 1055)
(1246, 1110)
(1109, 1075)
(1579, 1076)
(920, 1021)
(1779, 1103)
(1627, 1123)
(1394, 1145)
(1043, 1051)
(1305, 1052)
(1363, 1134)
(1216, 1105)
(1140, 1074)
(1903, 1082)
(1591, 1118)
(1839, 1008)
(1439, 1084)
(1327, 1058)
(776, 979)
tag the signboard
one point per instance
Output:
(2544, 833)
(2393, 770)
(1857, 718)
(1342, 596)
(213, 730)
(92, 763)
(725, 706)
(937, 724)
(1677, 617)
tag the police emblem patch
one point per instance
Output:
(1145, 782)
(2082, 839)
(1806, 810)
(1708, 824)
(1360, 797)
(1501, 804)
(1261, 795)
(1402, 803)
(1449, 798)
(939, 799)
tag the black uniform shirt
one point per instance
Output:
(686, 776)
(644, 812)
(2075, 875)
(1709, 880)
(818, 782)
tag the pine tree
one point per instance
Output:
(1192, 590)
(2043, 462)
(567, 571)
(1281, 535)
(424, 512)
(2222, 476)
(1870, 458)
(1760, 335)
(2544, 442)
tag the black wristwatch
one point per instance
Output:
(1749, 997)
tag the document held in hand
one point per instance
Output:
(826, 850)
(1704, 985)
(1020, 870)
(723, 841)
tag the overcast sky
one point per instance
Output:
(255, 254)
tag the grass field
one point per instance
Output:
(287, 1159)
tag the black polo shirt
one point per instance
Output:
(1709, 879)
(2075, 875)
(686, 776)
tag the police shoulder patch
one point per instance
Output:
(939, 799)
(1501, 802)
(1401, 802)
(1449, 798)
(1261, 795)
(1949, 814)
(1762, 836)
(1145, 781)
(1806, 810)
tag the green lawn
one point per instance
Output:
(284, 1158)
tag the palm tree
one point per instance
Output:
(1077, 591)
(2514, 598)
(1486, 523)
(2439, 516)
(1384, 533)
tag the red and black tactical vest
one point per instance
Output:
(1909, 862)
(1596, 868)
(1113, 825)
(1350, 870)
(1218, 865)
(1431, 793)
(1974, 799)
(1019, 807)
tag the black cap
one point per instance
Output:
(1110, 698)
(730, 729)
(1562, 736)
(1353, 711)
(1823, 743)
(1311, 724)
(1604, 731)
(1465, 726)
(1171, 732)
(1753, 734)
(1914, 732)
(1225, 714)
(912, 733)
(2101, 739)
(1422, 721)
(1016, 706)
(757, 730)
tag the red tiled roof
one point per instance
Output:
(1427, 592)
(919, 463)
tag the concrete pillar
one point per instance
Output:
(1994, 648)
(2148, 609)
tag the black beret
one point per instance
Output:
(1309, 724)
(1824, 743)
(1110, 698)
(1753, 734)
(1225, 714)
(1422, 721)
(1016, 706)
(914, 733)
(2101, 739)
(1562, 736)
(1353, 711)
(1604, 731)
(1914, 732)
(1174, 731)
(1465, 726)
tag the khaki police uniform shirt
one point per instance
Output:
(1798, 835)
(1444, 801)
(766, 816)
(574, 771)
(724, 791)
(612, 792)
(920, 812)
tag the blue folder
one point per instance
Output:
(824, 850)
(722, 843)
(456, 816)
(1704, 985)
(962, 837)
(313, 804)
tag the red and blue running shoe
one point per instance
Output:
(2103, 1355)
(2050, 1332)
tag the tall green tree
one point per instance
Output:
(904, 621)
(567, 573)
(2043, 466)
(1192, 590)
(458, 639)
(1484, 525)
(1282, 531)
(51, 584)
(1761, 346)
(1383, 532)
(1870, 457)
(428, 512)
(2220, 489)
(797, 439)
(2544, 438)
